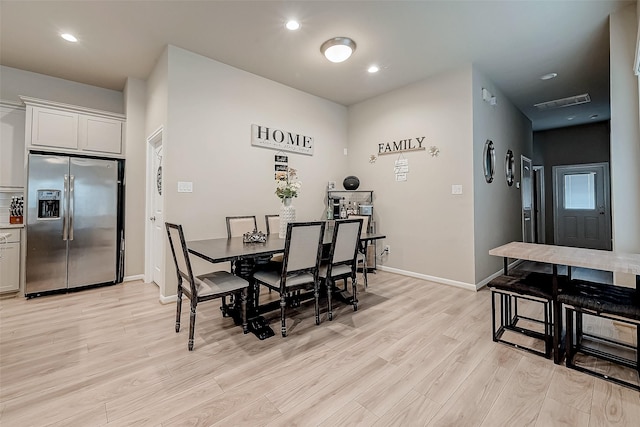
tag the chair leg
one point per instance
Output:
(178, 308)
(243, 304)
(316, 294)
(256, 295)
(329, 292)
(364, 268)
(354, 286)
(192, 323)
(283, 305)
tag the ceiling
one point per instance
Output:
(512, 42)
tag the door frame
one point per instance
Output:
(606, 194)
(153, 141)
(539, 204)
(524, 159)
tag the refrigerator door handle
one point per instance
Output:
(65, 216)
(71, 203)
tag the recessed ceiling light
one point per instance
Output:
(593, 116)
(338, 49)
(69, 37)
(549, 76)
(292, 25)
(571, 117)
(373, 69)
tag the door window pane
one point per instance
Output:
(579, 191)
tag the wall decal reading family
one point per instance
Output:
(281, 140)
(411, 144)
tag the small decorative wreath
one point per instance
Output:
(159, 180)
(434, 151)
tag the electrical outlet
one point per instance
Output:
(387, 249)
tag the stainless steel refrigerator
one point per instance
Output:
(74, 222)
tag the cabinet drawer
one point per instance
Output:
(13, 235)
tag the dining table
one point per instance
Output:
(241, 254)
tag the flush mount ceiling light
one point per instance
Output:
(292, 25)
(69, 37)
(373, 69)
(338, 49)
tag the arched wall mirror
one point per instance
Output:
(509, 167)
(489, 160)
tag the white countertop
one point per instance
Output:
(11, 225)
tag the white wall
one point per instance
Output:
(625, 135)
(15, 83)
(135, 176)
(497, 207)
(207, 141)
(430, 231)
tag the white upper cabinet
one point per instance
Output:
(100, 134)
(52, 126)
(11, 145)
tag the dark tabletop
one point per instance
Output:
(223, 249)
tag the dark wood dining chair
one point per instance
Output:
(343, 259)
(362, 248)
(273, 223)
(302, 255)
(205, 287)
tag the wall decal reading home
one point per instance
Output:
(281, 140)
(411, 144)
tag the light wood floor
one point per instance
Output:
(415, 353)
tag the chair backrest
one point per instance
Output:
(302, 248)
(365, 222)
(344, 245)
(238, 225)
(273, 223)
(180, 255)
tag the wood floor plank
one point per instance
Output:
(415, 353)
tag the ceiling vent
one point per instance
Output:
(564, 102)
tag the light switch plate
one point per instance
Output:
(185, 187)
(456, 189)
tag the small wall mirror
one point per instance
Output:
(508, 167)
(489, 160)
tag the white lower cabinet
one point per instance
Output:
(10, 260)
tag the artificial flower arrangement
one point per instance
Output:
(289, 186)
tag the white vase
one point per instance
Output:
(287, 215)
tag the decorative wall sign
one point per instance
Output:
(411, 144)
(401, 168)
(281, 140)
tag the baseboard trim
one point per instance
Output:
(133, 278)
(169, 299)
(455, 283)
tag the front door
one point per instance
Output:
(582, 213)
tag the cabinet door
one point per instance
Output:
(54, 128)
(9, 267)
(11, 146)
(100, 134)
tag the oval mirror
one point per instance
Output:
(489, 160)
(508, 167)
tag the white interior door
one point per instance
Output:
(582, 214)
(158, 232)
(527, 199)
